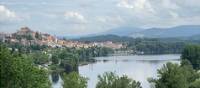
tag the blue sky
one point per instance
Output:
(80, 17)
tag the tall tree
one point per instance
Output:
(19, 72)
(111, 80)
(176, 76)
(38, 36)
(192, 54)
(40, 57)
(74, 80)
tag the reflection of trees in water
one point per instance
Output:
(104, 61)
(68, 68)
(55, 77)
(151, 61)
(158, 61)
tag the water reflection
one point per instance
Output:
(56, 80)
(55, 77)
(137, 67)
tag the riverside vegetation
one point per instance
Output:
(21, 69)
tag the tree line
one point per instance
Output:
(146, 45)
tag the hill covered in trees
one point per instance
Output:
(146, 45)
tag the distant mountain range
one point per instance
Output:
(179, 31)
(122, 34)
(122, 31)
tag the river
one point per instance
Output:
(138, 67)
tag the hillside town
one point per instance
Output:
(26, 37)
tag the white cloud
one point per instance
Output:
(110, 19)
(107, 22)
(168, 4)
(125, 4)
(6, 14)
(74, 17)
(174, 15)
(136, 5)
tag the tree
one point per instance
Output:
(40, 58)
(192, 54)
(111, 80)
(176, 76)
(195, 84)
(38, 36)
(29, 37)
(55, 59)
(171, 76)
(74, 80)
(19, 72)
(69, 60)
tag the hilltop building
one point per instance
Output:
(25, 31)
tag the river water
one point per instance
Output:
(137, 67)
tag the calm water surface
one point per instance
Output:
(138, 67)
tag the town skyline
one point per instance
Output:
(25, 36)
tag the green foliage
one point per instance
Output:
(89, 53)
(195, 84)
(34, 47)
(40, 58)
(171, 76)
(176, 76)
(192, 54)
(146, 45)
(104, 38)
(28, 37)
(111, 80)
(55, 59)
(74, 80)
(69, 58)
(27, 49)
(158, 47)
(19, 72)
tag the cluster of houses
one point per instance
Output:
(26, 36)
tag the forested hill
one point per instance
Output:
(147, 45)
(115, 38)
(102, 38)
